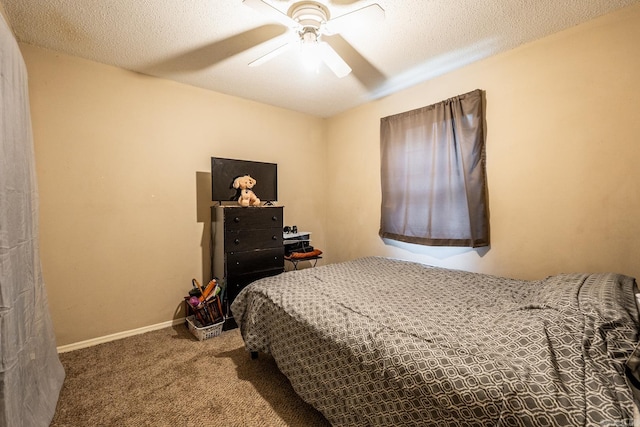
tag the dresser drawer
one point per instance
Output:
(248, 218)
(261, 238)
(246, 262)
(237, 283)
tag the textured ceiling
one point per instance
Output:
(208, 43)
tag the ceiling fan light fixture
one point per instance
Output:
(308, 36)
(311, 56)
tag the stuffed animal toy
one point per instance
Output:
(247, 196)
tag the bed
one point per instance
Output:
(383, 342)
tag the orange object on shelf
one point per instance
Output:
(303, 255)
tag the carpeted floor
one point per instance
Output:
(168, 378)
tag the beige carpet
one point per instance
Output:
(168, 378)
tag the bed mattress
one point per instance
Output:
(383, 342)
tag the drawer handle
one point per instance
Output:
(236, 219)
(274, 237)
(274, 218)
(236, 241)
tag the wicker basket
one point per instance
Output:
(204, 332)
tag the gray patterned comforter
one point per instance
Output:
(381, 342)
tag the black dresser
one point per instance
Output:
(247, 245)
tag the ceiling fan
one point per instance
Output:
(309, 21)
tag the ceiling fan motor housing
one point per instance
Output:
(311, 16)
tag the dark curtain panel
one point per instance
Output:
(433, 174)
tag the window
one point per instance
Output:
(433, 174)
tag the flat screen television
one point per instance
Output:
(225, 171)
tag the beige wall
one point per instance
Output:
(123, 165)
(123, 161)
(563, 154)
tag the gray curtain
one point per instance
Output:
(433, 174)
(30, 372)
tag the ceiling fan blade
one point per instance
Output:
(369, 14)
(330, 57)
(269, 56)
(212, 53)
(271, 12)
(363, 70)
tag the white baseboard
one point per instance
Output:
(119, 335)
